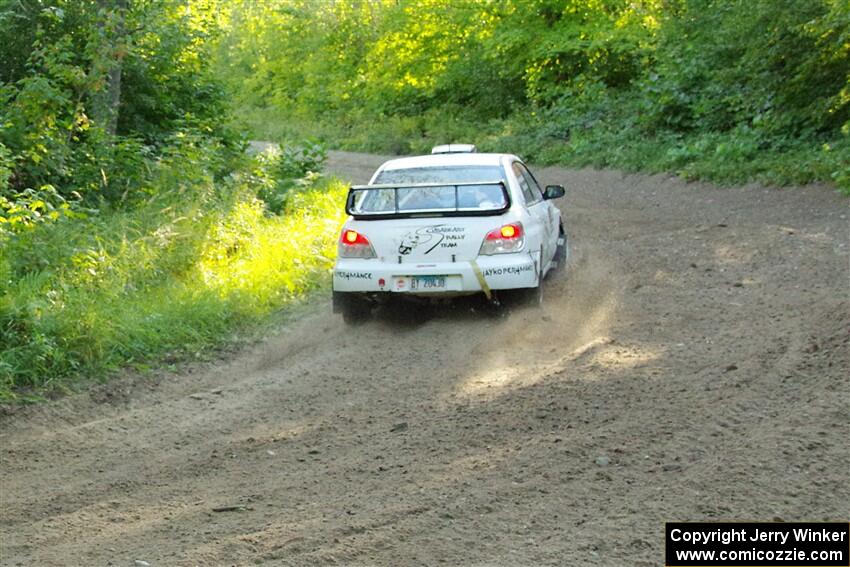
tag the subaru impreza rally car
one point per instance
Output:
(452, 223)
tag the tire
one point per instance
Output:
(354, 310)
(535, 296)
(526, 296)
(356, 313)
(562, 252)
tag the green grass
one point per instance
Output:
(168, 279)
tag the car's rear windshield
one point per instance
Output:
(471, 197)
(467, 188)
(445, 174)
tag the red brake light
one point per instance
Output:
(503, 240)
(352, 244)
(353, 238)
(506, 232)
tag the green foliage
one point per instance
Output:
(94, 92)
(7, 166)
(30, 207)
(294, 167)
(177, 274)
(133, 227)
(775, 65)
(296, 162)
(718, 89)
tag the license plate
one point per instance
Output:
(427, 283)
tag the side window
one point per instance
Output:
(532, 184)
(523, 183)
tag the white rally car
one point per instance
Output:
(452, 223)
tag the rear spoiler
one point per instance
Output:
(455, 211)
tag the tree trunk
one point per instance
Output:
(107, 101)
(113, 94)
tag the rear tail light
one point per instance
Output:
(503, 240)
(352, 244)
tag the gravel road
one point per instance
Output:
(692, 364)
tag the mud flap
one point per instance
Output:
(481, 281)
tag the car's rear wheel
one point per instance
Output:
(562, 251)
(526, 296)
(354, 310)
(535, 297)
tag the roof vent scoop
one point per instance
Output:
(454, 149)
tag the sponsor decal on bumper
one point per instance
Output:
(493, 274)
(346, 275)
(508, 270)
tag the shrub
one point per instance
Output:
(172, 276)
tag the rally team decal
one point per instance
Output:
(431, 237)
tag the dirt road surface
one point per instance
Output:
(692, 364)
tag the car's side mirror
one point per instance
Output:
(554, 192)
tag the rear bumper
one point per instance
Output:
(502, 271)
